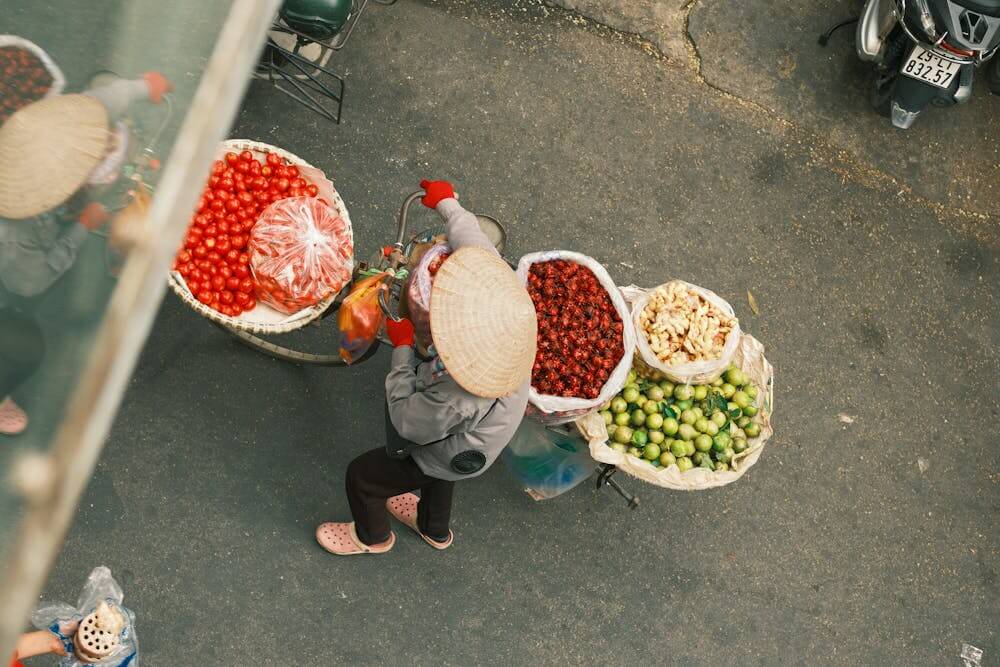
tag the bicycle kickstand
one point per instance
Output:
(604, 474)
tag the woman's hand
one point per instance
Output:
(436, 191)
(158, 85)
(41, 642)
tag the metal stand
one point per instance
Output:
(604, 473)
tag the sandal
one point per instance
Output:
(342, 539)
(13, 419)
(404, 508)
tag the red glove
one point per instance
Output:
(158, 86)
(436, 191)
(400, 333)
(93, 216)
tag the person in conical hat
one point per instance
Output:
(448, 417)
(50, 152)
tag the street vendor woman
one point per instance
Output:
(50, 152)
(449, 417)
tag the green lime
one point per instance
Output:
(701, 424)
(630, 393)
(651, 452)
(700, 392)
(728, 390)
(654, 393)
(752, 430)
(721, 466)
(743, 421)
(684, 463)
(689, 417)
(751, 391)
(718, 382)
(618, 404)
(640, 402)
(706, 462)
(721, 441)
(608, 418)
(687, 432)
(698, 457)
(651, 407)
(634, 451)
(739, 444)
(683, 392)
(678, 448)
(698, 412)
(683, 405)
(622, 418)
(618, 447)
(741, 399)
(719, 418)
(656, 437)
(655, 463)
(712, 428)
(611, 429)
(668, 387)
(623, 434)
(638, 417)
(632, 375)
(733, 375)
(667, 459)
(726, 455)
(750, 410)
(670, 426)
(689, 444)
(654, 421)
(703, 443)
(639, 438)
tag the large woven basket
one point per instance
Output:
(58, 79)
(263, 319)
(750, 359)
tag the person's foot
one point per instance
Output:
(404, 508)
(342, 539)
(13, 419)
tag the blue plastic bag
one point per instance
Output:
(548, 461)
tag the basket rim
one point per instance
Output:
(302, 317)
(58, 78)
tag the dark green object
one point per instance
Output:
(319, 19)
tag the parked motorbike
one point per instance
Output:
(925, 52)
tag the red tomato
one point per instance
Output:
(236, 227)
(202, 204)
(239, 241)
(218, 167)
(232, 158)
(292, 171)
(217, 205)
(255, 168)
(200, 250)
(246, 156)
(242, 271)
(209, 243)
(206, 286)
(222, 245)
(298, 183)
(246, 285)
(295, 192)
(273, 160)
(213, 181)
(266, 170)
(312, 190)
(232, 283)
(205, 296)
(233, 256)
(214, 257)
(281, 184)
(244, 258)
(225, 271)
(232, 205)
(183, 257)
(231, 219)
(226, 184)
(242, 298)
(225, 296)
(218, 282)
(243, 167)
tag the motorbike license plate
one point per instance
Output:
(930, 68)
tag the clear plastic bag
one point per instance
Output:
(360, 317)
(62, 619)
(301, 252)
(549, 461)
(418, 289)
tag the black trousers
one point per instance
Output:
(21, 349)
(374, 477)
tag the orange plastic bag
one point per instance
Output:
(360, 317)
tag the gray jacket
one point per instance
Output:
(429, 408)
(36, 252)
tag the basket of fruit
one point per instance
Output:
(684, 436)
(585, 335)
(29, 74)
(270, 245)
(684, 332)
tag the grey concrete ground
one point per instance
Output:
(835, 549)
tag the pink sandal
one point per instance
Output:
(342, 539)
(404, 508)
(13, 419)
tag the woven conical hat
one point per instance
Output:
(483, 323)
(47, 151)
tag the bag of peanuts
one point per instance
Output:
(686, 332)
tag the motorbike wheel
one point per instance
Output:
(883, 89)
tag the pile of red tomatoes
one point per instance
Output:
(213, 259)
(579, 330)
(23, 79)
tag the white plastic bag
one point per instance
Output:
(750, 359)
(418, 291)
(62, 619)
(559, 409)
(697, 372)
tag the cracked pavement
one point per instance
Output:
(838, 547)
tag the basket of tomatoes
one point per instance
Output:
(222, 268)
(27, 74)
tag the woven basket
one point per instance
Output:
(285, 323)
(58, 80)
(750, 359)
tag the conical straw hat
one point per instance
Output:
(47, 151)
(483, 323)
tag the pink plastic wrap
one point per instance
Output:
(419, 289)
(301, 252)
